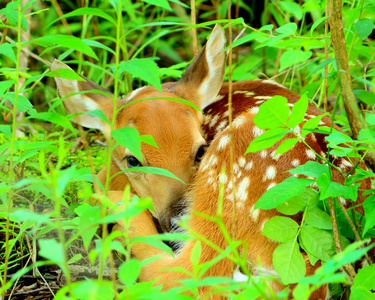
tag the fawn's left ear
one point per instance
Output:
(202, 80)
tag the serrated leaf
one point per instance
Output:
(298, 111)
(23, 104)
(309, 196)
(267, 139)
(66, 41)
(293, 57)
(365, 96)
(318, 218)
(282, 192)
(7, 50)
(369, 208)
(286, 146)
(289, 28)
(280, 229)
(129, 271)
(364, 27)
(310, 168)
(129, 138)
(365, 279)
(318, 242)
(310, 124)
(272, 113)
(288, 262)
(143, 68)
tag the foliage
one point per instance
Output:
(47, 166)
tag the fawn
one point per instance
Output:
(175, 127)
(254, 173)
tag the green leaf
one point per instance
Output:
(309, 197)
(317, 23)
(321, 65)
(75, 258)
(311, 168)
(246, 38)
(367, 134)
(54, 118)
(11, 13)
(143, 68)
(161, 3)
(53, 251)
(66, 41)
(129, 271)
(369, 208)
(365, 96)
(196, 254)
(267, 139)
(298, 111)
(286, 145)
(337, 137)
(293, 8)
(99, 114)
(329, 188)
(289, 28)
(370, 118)
(96, 44)
(85, 11)
(282, 192)
(280, 229)
(65, 73)
(5, 85)
(128, 137)
(23, 104)
(7, 50)
(288, 262)
(318, 242)
(6, 129)
(89, 217)
(318, 218)
(293, 57)
(310, 124)
(152, 170)
(364, 27)
(272, 113)
(364, 284)
(148, 139)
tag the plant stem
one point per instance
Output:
(339, 46)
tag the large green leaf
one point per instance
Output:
(288, 262)
(280, 229)
(318, 218)
(282, 192)
(318, 242)
(364, 284)
(273, 113)
(293, 57)
(369, 207)
(267, 139)
(143, 68)
(129, 138)
(364, 27)
(66, 41)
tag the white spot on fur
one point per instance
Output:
(263, 97)
(249, 165)
(226, 113)
(238, 121)
(322, 154)
(239, 277)
(346, 163)
(295, 162)
(207, 119)
(224, 140)
(254, 214)
(271, 185)
(290, 104)
(254, 110)
(270, 173)
(270, 81)
(313, 137)
(221, 126)
(239, 92)
(243, 188)
(242, 161)
(275, 157)
(249, 94)
(257, 131)
(219, 97)
(343, 201)
(297, 130)
(213, 121)
(236, 169)
(263, 153)
(310, 154)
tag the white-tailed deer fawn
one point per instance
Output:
(175, 126)
(254, 174)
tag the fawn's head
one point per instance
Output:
(175, 126)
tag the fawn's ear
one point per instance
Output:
(202, 80)
(80, 103)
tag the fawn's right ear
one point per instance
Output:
(203, 79)
(79, 103)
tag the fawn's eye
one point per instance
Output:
(132, 162)
(201, 151)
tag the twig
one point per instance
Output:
(348, 267)
(194, 29)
